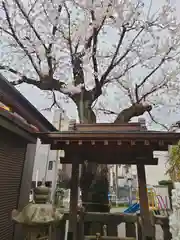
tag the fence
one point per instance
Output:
(104, 226)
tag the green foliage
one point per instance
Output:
(174, 163)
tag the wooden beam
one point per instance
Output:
(72, 231)
(124, 160)
(147, 228)
(110, 157)
(117, 144)
(107, 238)
(125, 136)
(107, 218)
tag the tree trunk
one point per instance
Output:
(94, 178)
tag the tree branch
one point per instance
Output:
(151, 73)
(43, 84)
(7, 32)
(69, 32)
(98, 29)
(55, 103)
(106, 111)
(14, 35)
(32, 7)
(135, 110)
(76, 59)
(34, 50)
(128, 49)
(27, 80)
(111, 65)
(152, 90)
(155, 121)
(97, 90)
(6, 68)
(30, 23)
(127, 89)
(49, 48)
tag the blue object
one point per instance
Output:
(133, 208)
(109, 196)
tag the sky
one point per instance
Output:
(41, 100)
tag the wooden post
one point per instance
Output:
(147, 229)
(72, 231)
(130, 229)
(81, 224)
(139, 227)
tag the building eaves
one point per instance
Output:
(15, 125)
(11, 97)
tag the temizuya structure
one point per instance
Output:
(128, 143)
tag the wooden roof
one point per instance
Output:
(131, 133)
(110, 143)
(14, 124)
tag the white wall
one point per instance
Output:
(40, 161)
(42, 157)
(155, 173)
(158, 172)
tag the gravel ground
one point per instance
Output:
(121, 228)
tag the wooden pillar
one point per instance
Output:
(72, 231)
(147, 229)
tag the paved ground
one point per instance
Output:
(121, 228)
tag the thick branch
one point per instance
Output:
(49, 49)
(97, 90)
(76, 58)
(135, 110)
(69, 32)
(45, 83)
(88, 43)
(27, 80)
(107, 111)
(78, 70)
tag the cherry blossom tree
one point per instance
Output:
(86, 50)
